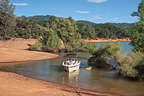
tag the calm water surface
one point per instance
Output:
(102, 80)
(126, 46)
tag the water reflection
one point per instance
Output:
(70, 78)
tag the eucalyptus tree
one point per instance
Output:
(7, 18)
(138, 36)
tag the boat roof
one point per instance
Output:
(71, 54)
(70, 58)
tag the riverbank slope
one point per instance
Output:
(15, 50)
(12, 84)
(107, 40)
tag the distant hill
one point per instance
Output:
(47, 17)
(40, 17)
(124, 25)
(86, 22)
(120, 25)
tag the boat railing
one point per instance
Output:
(71, 64)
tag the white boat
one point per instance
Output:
(71, 65)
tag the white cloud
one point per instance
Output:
(98, 17)
(115, 18)
(20, 4)
(97, 1)
(131, 17)
(82, 12)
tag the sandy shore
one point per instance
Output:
(107, 40)
(16, 51)
(16, 85)
(11, 84)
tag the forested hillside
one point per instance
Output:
(107, 30)
(35, 27)
(124, 25)
(93, 30)
(40, 17)
(120, 25)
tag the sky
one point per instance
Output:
(98, 11)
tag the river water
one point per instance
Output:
(96, 79)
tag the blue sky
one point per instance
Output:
(98, 11)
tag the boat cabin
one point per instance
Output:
(70, 61)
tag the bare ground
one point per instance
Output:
(16, 51)
(15, 85)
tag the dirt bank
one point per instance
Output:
(107, 40)
(15, 85)
(16, 51)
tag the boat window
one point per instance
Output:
(73, 59)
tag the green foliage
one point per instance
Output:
(132, 65)
(67, 31)
(140, 12)
(108, 50)
(104, 53)
(124, 25)
(137, 42)
(51, 40)
(128, 71)
(140, 69)
(87, 31)
(69, 47)
(138, 36)
(132, 58)
(55, 29)
(28, 29)
(113, 49)
(107, 30)
(7, 20)
(40, 18)
(99, 62)
(74, 45)
(91, 47)
(36, 47)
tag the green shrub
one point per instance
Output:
(51, 40)
(128, 71)
(132, 65)
(91, 47)
(36, 47)
(102, 63)
(102, 55)
(140, 69)
(109, 50)
(69, 47)
(112, 49)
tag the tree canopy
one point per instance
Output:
(138, 36)
(106, 30)
(7, 19)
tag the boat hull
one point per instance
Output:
(71, 68)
